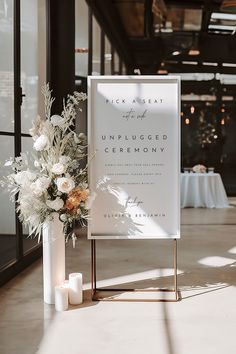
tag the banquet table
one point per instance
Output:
(204, 190)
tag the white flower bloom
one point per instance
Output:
(40, 186)
(82, 136)
(65, 185)
(63, 217)
(8, 163)
(199, 169)
(56, 120)
(58, 168)
(24, 178)
(41, 143)
(56, 204)
(64, 159)
(90, 200)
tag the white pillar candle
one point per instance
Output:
(61, 298)
(75, 288)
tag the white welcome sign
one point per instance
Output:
(133, 132)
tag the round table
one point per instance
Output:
(204, 190)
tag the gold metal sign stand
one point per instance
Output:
(96, 291)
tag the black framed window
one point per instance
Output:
(18, 73)
(95, 54)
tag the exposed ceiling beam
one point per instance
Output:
(205, 87)
(199, 68)
(213, 48)
(147, 53)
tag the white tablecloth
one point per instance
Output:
(203, 190)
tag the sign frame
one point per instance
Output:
(93, 81)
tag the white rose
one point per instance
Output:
(56, 120)
(23, 178)
(56, 204)
(64, 159)
(58, 168)
(41, 143)
(40, 186)
(65, 185)
(82, 136)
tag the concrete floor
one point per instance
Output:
(204, 321)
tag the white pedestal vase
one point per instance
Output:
(53, 257)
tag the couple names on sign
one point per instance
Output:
(134, 134)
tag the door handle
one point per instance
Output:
(21, 96)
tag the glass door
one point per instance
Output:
(18, 73)
(7, 126)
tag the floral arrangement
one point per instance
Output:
(199, 169)
(50, 179)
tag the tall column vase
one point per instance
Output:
(53, 256)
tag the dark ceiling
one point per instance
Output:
(174, 36)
